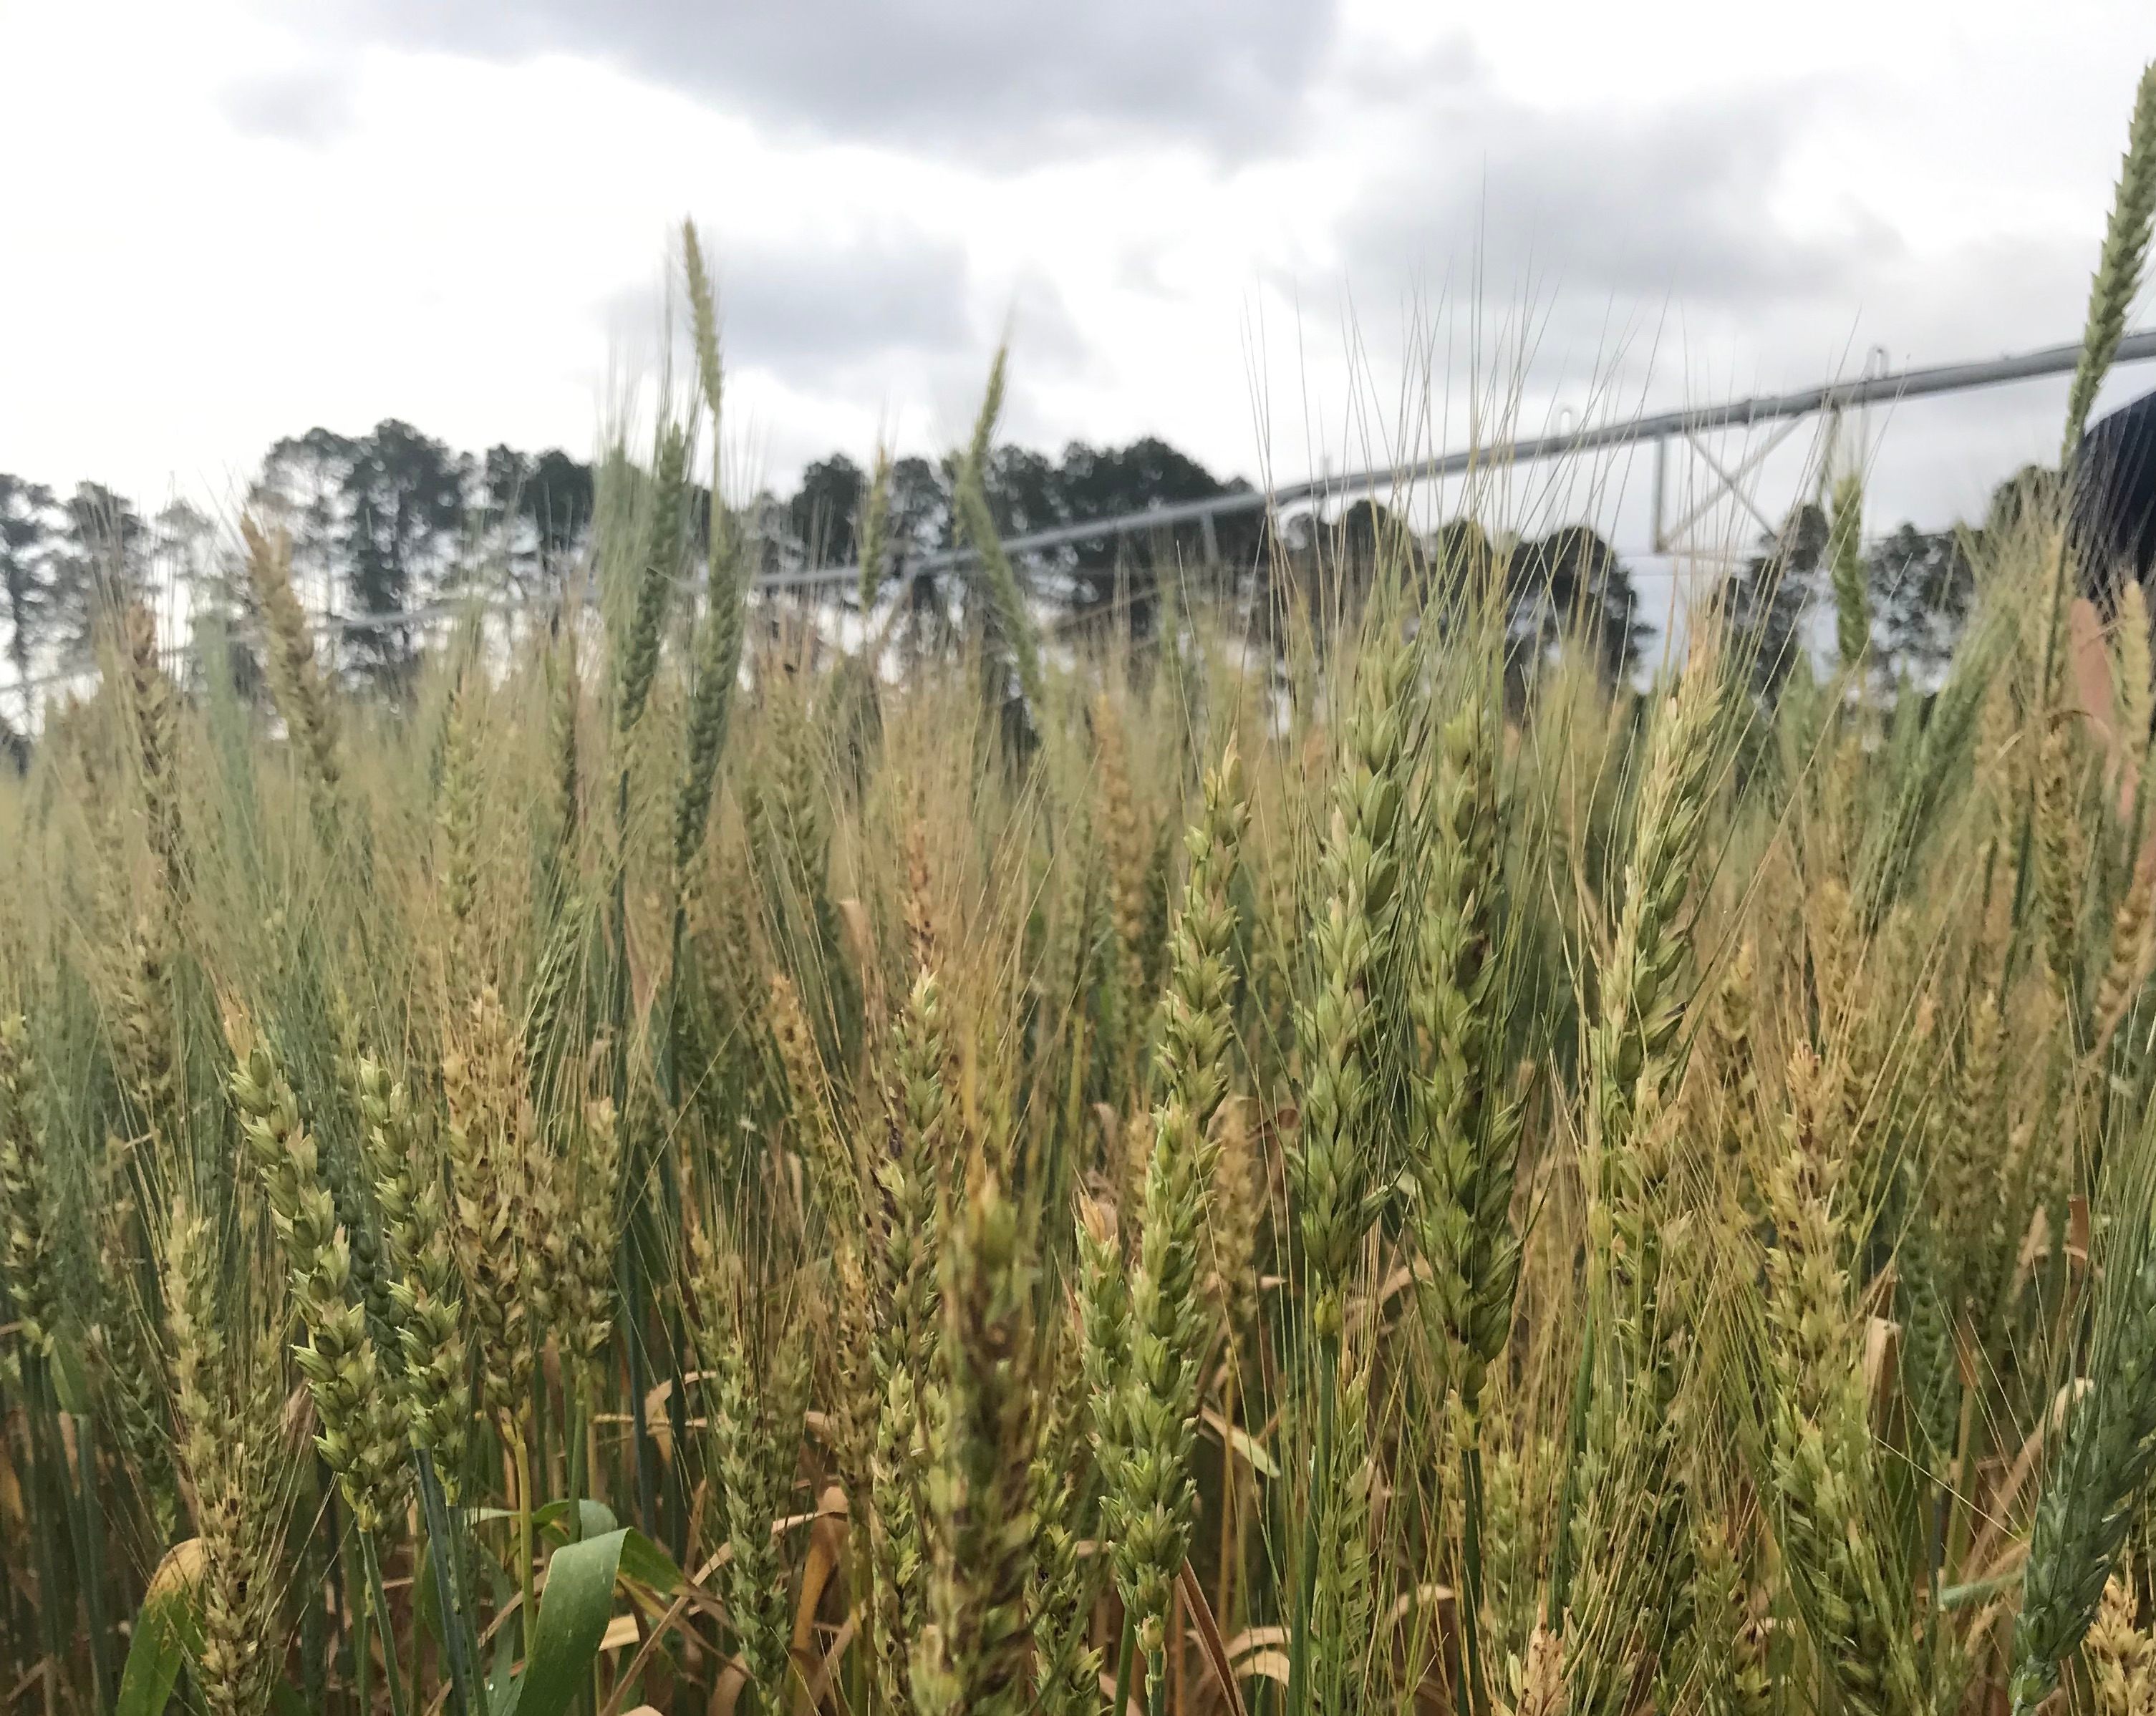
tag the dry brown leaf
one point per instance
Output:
(1210, 1644)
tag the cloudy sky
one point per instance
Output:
(1254, 226)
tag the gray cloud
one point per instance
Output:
(828, 312)
(813, 312)
(310, 104)
(1595, 207)
(986, 79)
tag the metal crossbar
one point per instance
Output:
(1919, 383)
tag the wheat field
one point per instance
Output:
(680, 1167)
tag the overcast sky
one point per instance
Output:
(1218, 221)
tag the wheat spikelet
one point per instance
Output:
(1634, 1559)
(1235, 1214)
(362, 1435)
(1330, 1164)
(1151, 1504)
(2133, 679)
(973, 1656)
(136, 979)
(2132, 945)
(1930, 1364)
(1728, 1101)
(2100, 1466)
(2061, 868)
(26, 1194)
(596, 1233)
(2117, 277)
(704, 318)
(636, 661)
(154, 718)
(1011, 625)
(718, 664)
(834, 1168)
(408, 1191)
(1127, 850)
(1512, 1544)
(551, 1009)
(1970, 1127)
(1067, 1668)
(1467, 1134)
(564, 744)
(1542, 1691)
(1852, 606)
(756, 1354)
(294, 680)
(2121, 1657)
(487, 1145)
(116, 1344)
(457, 823)
(1731, 1671)
(1820, 1433)
(1343, 1597)
(873, 535)
(922, 1127)
(229, 1417)
(1632, 1046)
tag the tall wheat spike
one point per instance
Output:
(1852, 601)
(872, 535)
(294, 678)
(2117, 277)
(996, 578)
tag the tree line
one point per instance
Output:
(386, 521)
